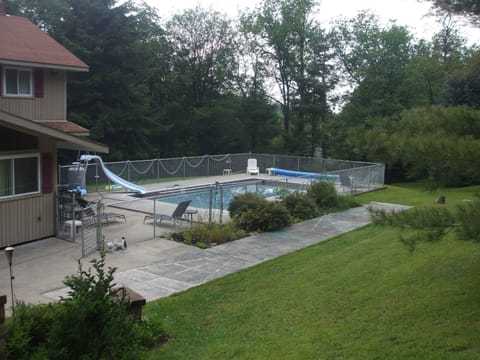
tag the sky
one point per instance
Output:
(411, 13)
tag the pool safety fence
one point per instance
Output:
(79, 224)
(210, 202)
(353, 176)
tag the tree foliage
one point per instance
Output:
(199, 82)
(438, 143)
(296, 56)
(467, 8)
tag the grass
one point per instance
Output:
(358, 296)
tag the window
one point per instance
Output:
(19, 175)
(18, 82)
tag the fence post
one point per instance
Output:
(100, 244)
(221, 203)
(96, 176)
(154, 217)
(210, 205)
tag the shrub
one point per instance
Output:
(26, 330)
(324, 194)
(244, 202)
(251, 212)
(467, 216)
(207, 234)
(301, 206)
(346, 202)
(92, 323)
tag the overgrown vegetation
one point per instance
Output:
(205, 235)
(93, 322)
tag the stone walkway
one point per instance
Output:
(177, 270)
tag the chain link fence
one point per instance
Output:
(356, 176)
(80, 223)
(83, 223)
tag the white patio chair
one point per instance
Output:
(252, 168)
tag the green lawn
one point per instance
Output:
(358, 296)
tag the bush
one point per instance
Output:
(244, 202)
(92, 323)
(467, 217)
(251, 212)
(345, 202)
(301, 206)
(324, 194)
(27, 329)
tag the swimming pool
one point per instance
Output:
(220, 195)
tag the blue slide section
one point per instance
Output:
(308, 175)
(114, 178)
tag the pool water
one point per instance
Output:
(201, 198)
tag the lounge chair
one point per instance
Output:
(252, 168)
(176, 215)
(91, 216)
(112, 215)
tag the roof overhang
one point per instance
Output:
(42, 65)
(63, 140)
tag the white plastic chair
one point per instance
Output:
(252, 168)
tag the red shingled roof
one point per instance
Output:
(22, 41)
(65, 126)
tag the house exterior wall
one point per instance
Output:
(30, 217)
(51, 107)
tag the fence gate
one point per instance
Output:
(79, 224)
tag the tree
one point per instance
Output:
(463, 86)
(374, 60)
(112, 97)
(203, 45)
(466, 8)
(43, 13)
(284, 33)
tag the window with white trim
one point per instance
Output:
(19, 175)
(17, 82)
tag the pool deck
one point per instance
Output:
(157, 267)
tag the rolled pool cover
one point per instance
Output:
(308, 175)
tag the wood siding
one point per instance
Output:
(51, 107)
(27, 219)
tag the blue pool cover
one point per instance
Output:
(308, 175)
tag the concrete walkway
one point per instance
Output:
(158, 267)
